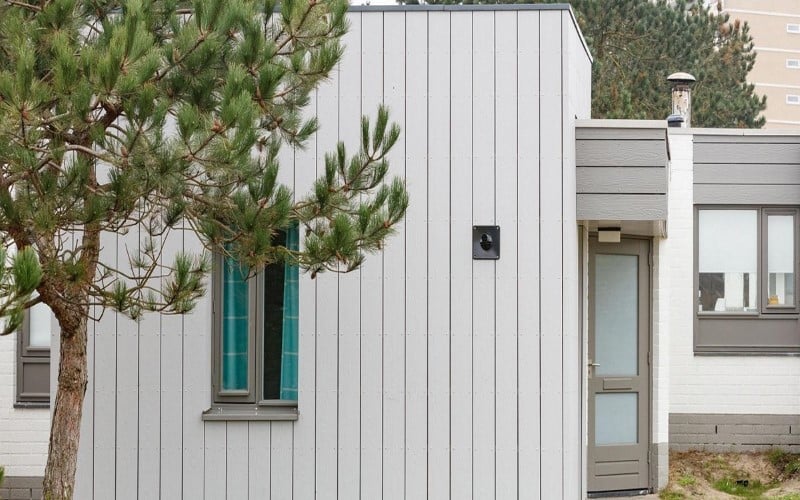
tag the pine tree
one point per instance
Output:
(636, 44)
(160, 116)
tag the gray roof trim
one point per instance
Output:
(743, 132)
(492, 7)
(428, 7)
(604, 123)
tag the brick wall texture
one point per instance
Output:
(23, 431)
(728, 432)
(21, 488)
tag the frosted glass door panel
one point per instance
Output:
(615, 419)
(616, 314)
(39, 317)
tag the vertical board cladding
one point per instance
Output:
(551, 176)
(439, 258)
(425, 374)
(393, 354)
(529, 248)
(461, 116)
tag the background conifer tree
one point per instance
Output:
(636, 44)
(160, 116)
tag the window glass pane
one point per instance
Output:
(616, 418)
(616, 324)
(235, 338)
(280, 325)
(727, 260)
(39, 325)
(780, 260)
(291, 347)
(273, 326)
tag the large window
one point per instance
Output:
(256, 336)
(746, 265)
(727, 260)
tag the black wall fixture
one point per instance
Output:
(485, 242)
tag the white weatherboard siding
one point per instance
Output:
(425, 374)
(712, 384)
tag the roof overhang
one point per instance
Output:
(622, 175)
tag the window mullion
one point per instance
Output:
(257, 338)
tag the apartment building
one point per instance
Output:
(775, 27)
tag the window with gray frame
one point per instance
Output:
(256, 334)
(33, 358)
(746, 279)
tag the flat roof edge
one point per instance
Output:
(603, 123)
(428, 7)
(482, 7)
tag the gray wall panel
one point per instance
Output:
(635, 180)
(778, 334)
(746, 169)
(765, 173)
(738, 150)
(621, 153)
(611, 133)
(768, 194)
(747, 136)
(622, 170)
(622, 207)
(733, 432)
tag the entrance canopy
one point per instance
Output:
(622, 173)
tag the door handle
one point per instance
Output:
(593, 364)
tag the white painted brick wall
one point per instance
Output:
(660, 347)
(23, 432)
(711, 384)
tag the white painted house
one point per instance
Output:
(635, 291)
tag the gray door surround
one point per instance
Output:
(619, 370)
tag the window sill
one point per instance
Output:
(32, 404)
(250, 412)
(793, 351)
(771, 314)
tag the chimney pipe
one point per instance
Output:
(681, 100)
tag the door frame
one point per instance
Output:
(588, 240)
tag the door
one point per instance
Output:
(619, 371)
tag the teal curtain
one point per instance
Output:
(290, 341)
(235, 335)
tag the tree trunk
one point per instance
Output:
(62, 458)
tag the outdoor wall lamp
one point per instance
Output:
(485, 242)
(609, 234)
